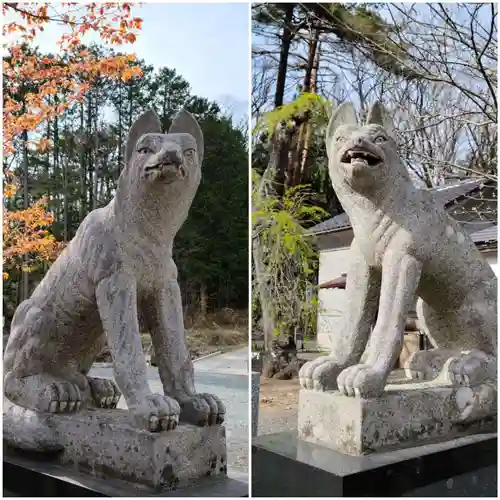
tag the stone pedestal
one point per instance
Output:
(104, 445)
(284, 466)
(26, 475)
(406, 415)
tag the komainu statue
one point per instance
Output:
(405, 248)
(118, 264)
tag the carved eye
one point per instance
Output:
(340, 138)
(380, 139)
(144, 150)
(189, 155)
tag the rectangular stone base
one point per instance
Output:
(284, 466)
(104, 444)
(28, 477)
(406, 415)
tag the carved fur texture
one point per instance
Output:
(118, 264)
(405, 247)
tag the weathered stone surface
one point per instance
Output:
(117, 268)
(106, 444)
(405, 415)
(405, 247)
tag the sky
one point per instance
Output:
(207, 44)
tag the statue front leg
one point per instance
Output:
(117, 303)
(163, 314)
(363, 287)
(400, 279)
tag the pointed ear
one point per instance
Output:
(185, 123)
(343, 115)
(377, 115)
(147, 123)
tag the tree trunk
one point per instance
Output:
(267, 186)
(268, 325)
(309, 82)
(55, 159)
(96, 164)
(81, 145)
(90, 163)
(24, 278)
(65, 193)
(203, 301)
(304, 174)
(120, 131)
(286, 39)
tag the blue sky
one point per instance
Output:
(207, 44)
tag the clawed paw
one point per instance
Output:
(156, 413)
(320, 374)
(361, 381)
(426, 365)
(470, 369)
(105, 392)
(62, 397)
(202, 409)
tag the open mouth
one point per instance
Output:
(161, 166)
(166, 171)
(360, 156)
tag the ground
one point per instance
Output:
(217, 332)
(278, 395)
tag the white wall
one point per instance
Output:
(332, 263)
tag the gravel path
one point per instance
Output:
(272, 422)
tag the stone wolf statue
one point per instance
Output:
(118, 263)
(405, 247)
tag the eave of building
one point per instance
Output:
(472, 186)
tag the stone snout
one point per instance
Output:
(167, 164)
(359, 150)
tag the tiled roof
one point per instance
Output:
(446, 194)
(337, 222)
(486, 235)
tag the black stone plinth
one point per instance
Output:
(284, 466)
(26, 476)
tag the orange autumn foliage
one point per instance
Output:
(25, 235)
(68, 74)
(113, 22)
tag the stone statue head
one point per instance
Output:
(162, 171)
(166, 158)
(363, 156)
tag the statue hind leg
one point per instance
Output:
(31, 377)
(478, 315)
(466, 339)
